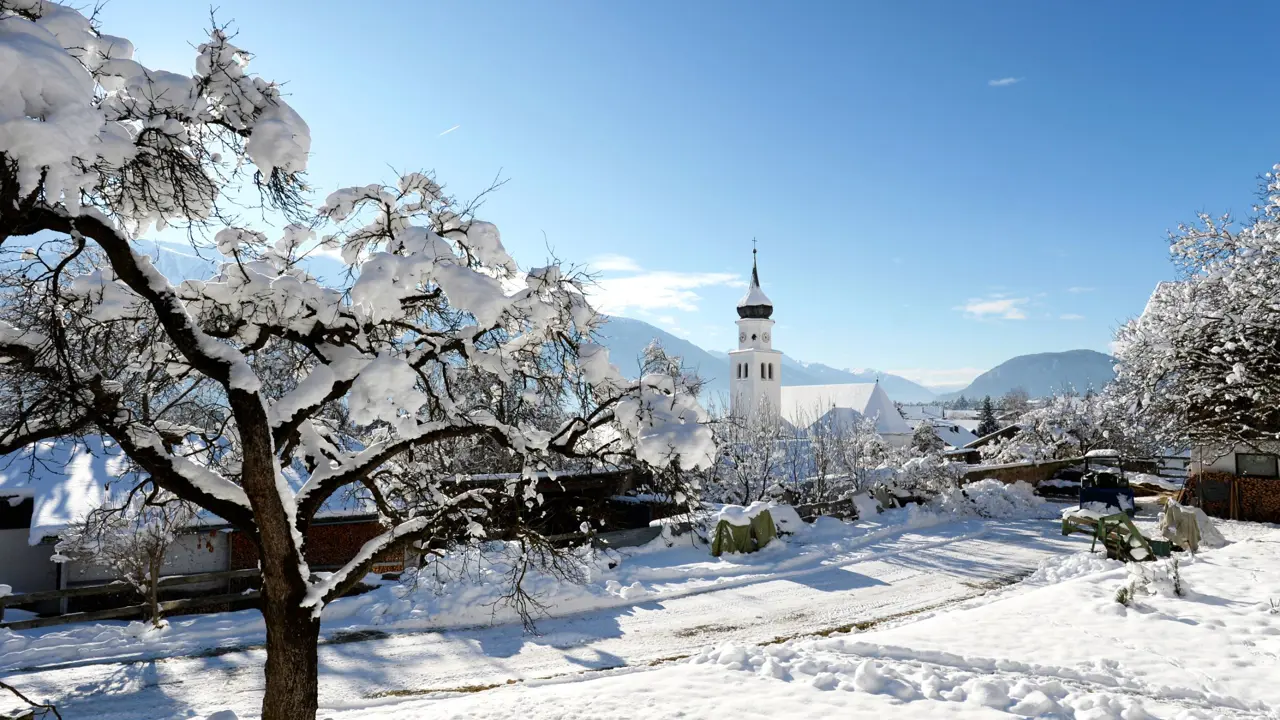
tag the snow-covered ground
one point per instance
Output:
(927, 625)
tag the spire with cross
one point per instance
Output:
(755, 303)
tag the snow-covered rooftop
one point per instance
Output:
(755, 296)
(755, 304)
(66, 480)
(952, 432)
(802, 405)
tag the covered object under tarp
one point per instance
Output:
(742, 529)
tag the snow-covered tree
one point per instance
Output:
(261, 393)
(987, 422)
(925, 439)
(826, 459)
(131, 539)
(752, 456)
(1201, 365)
(1069, 426)
(1016, 401)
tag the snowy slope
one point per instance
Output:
(1043, 374)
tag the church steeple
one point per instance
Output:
(756, 368)
(755, 304)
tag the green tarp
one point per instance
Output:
(743, 538)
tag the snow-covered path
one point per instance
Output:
(893, 576)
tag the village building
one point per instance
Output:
(756, 380)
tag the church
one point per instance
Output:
(756, 388)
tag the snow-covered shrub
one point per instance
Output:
(990, 498)
(1146, 579)
(817, 460)
(923, 478)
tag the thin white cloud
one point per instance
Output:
(612, 262)
(446, 132)
(1004, 82)
(650, 291)
(995, 307)
(1070, 316)
(939, 376)
(1076, 290)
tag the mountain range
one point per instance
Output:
(1041, 374)
(626, 338)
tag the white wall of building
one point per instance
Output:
(195, 553)
(1219, 460)
(755, 369)
(26, 568)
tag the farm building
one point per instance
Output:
(1241, 482)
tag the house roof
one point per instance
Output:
(66, 480)
(952, 432)
(1005, 432)
(919, 412)
(803, 405)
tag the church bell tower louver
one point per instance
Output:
(755, 368)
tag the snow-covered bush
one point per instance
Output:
(1147, 579)
(925, 477)
(766, 457)
(990, 498)
(1070, 425)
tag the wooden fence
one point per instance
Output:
(615, 539)
(128, 611)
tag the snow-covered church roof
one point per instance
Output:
(803, 405)
(755, 304)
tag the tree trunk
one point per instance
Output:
(292, 666)
(292, 632)
(153, 591)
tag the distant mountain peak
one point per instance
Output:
(1044, 374)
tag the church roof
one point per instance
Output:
(803, 405)
(755, 304)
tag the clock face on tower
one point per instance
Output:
(742, 337)
(766, 337)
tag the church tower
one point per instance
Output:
(755, 368)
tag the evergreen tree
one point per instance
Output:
(926, 440)
(987, 423)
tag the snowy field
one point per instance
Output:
(916, 615)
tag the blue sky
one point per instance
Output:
(936, 186)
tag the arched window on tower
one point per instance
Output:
(763, 376)
(737, 370)
(770, 371)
